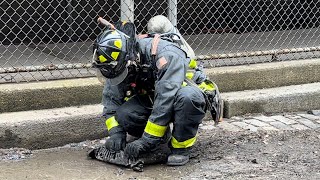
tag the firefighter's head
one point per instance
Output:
(111, 55)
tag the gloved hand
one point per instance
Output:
(116, 142)
(135, 148)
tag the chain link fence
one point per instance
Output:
(52, 39)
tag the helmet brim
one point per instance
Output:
(120, 78)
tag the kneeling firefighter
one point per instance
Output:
(151, 82)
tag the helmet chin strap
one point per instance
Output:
(94, 56)
(100, 77)
(129, 63)
(138, 60)
(134, 62)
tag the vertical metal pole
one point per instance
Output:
(127, 10)
(173, 11)
(70, 19)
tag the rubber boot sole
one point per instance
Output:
(177, 163)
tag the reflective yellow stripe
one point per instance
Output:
(102, 59)
(118, 43)
(207, 86)
(111, 123)
(115, 55)
(114, 32)
(184, 84)
(189, 75)
(193, 64)
(126, 99)
(184, 144)
(155, 129)
(124, 22)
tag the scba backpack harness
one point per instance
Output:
(209, 89)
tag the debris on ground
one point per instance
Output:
(15, 154)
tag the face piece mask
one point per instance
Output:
(111, 71)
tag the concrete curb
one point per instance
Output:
(54, 127)
(51, 128)
(266, 75)
(84, 91)
(282, 99)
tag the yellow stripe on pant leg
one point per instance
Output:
(111, 123)
(185, 144)
(155, 129)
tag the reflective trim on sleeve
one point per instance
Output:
(184, 144)
(192, 64)
(111, 123)
(155, 129)
(184, 84)
(207, 86)
(189, 75)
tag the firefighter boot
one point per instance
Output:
(179, 157)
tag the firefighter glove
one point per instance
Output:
(136, 148)
(116, 142)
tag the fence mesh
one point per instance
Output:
(52, 39)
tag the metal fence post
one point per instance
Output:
(127, 10)
(70, 18)
(173, 11)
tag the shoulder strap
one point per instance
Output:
(141, 36)
(156, 40)
(155, 43)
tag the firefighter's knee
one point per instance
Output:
(189, 98)
(132, 119)
(184, 98)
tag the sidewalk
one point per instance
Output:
(278, 122)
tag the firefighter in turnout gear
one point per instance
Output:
(150, 83)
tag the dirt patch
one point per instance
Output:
(267, 154)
